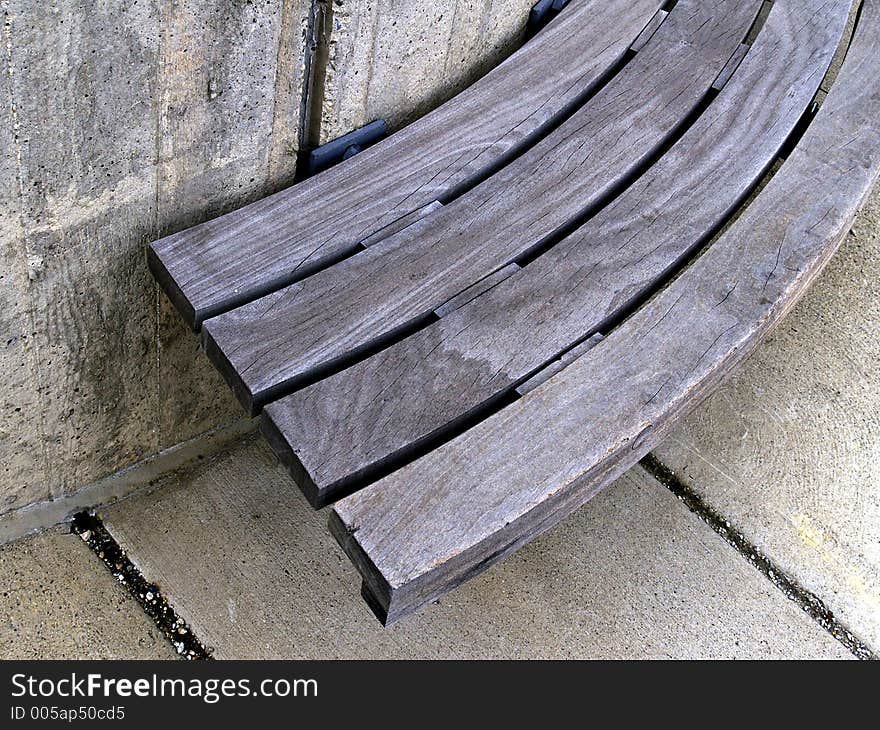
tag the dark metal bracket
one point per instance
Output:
(348, 145)
(542, 13)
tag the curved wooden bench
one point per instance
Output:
(466, 505)
(474, 377)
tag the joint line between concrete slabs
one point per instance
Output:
(808, 602)
(91, 529)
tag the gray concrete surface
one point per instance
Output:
(59, 602)
(22, 462)
(228, 96)
(397, 60)
(43, 515)
(251, 568)
(120, 123)
(789, 450)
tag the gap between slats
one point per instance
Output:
(387, 339)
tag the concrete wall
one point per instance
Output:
(397, 59)
(124, 121)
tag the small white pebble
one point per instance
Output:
(86, 535)
(149, 596)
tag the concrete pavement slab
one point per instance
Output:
(250, 567)
(789, 449)
(58, 602)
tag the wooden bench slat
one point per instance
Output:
(340, 430)
(297, 334)
(224, 262)
(451, 514)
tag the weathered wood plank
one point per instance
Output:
(284, 340)
(339, 430)
(235, 257)
(451, 514)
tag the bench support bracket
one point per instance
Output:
(348, 145)
(543, 12)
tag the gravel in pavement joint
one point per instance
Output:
(91, 530)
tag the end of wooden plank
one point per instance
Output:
(230, 374)
(291, 461)
(392, 603)
(319, 478)
(374, 588)
(381, 611)
(428, 574)
(373, 604)
(172, 290)
(389, 604)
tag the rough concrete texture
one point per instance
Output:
(121, 122)
(84, 222)
(789, 450)
(397, 60)
(43, 515)
(22, 462)
(251, 568)
(59, 602)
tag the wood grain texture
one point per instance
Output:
(451, 514)
(228, 260)
(338, 431)
(283, 340)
